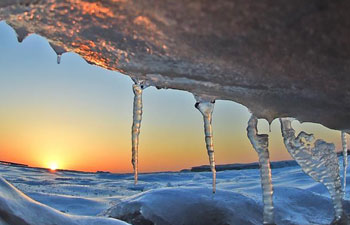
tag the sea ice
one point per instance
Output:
(18, 209)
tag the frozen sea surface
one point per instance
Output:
(178, 198)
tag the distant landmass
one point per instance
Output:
(47, 169)
(241, 166)
(247, 166)
(13, 164)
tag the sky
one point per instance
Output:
(78, 116)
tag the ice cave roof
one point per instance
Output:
(279, 58)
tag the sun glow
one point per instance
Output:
(53, 166)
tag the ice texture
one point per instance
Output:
(319, 161)
(177, 197)
(206, 107)
(18, 209)
(345, 158)
(260, 143)
(187, 206)
(137, 87)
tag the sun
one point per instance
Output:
(53, 166)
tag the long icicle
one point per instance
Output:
(206, 108)
(136, 125)
(260, 143)
(345, 159)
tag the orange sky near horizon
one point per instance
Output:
(79, 116)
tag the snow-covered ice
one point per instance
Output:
(17, 209)
(174, 198)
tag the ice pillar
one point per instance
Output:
(136, 124)
(260, 143)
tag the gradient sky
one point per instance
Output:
(79, 116)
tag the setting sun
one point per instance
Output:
(53, 166)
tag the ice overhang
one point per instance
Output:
(278, 58)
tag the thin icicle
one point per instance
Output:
(260, 143)
(345, 158)
(136, 124)
(59, 58)
(206, 108)
(58, 50)
(319, 161)
(21, 33)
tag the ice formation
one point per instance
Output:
(345, 158)
(206, 107)
(319, 162)
(21, 34)
(18, 209)
(137, 87)
(59, 58)
(58, 50)
(260, 143)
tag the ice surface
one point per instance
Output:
(137, 87)
(18, 209)
(260, 143)
(195, 206)
(298, 199)
(319, 161)
(206, 107)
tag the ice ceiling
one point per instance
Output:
(278, 58)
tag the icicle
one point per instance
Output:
(21, 38)
(138, 88)
(345, 158)
(59, 51)
(260, 143)
(319, 162)
(206, 108)
(59, 58)
(21, 33)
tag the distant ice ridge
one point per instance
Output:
(18, 209)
